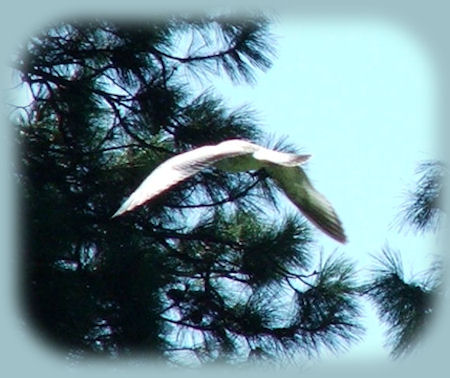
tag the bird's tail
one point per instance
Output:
(294, 160)
(282, 158)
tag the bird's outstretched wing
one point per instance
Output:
(181, 167)
(314, 206)
(168, 174)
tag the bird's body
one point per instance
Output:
(237, 155)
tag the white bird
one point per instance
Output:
(237, 155)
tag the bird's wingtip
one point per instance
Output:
(122, 209)
(116, 214)
(336, 232)
(342, 239)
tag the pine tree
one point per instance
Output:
(203, 274)
(423, 209)
(406, 306)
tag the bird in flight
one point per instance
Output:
(236, 155)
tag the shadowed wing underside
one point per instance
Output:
(314, 206)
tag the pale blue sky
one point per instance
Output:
(360, 96)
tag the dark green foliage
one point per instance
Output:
(424, 207)
(328, 307)
(406, 307)
(199, 275)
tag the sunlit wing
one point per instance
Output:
(167, 175)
